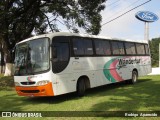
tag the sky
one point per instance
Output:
(127, 26)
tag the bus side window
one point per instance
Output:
(88, 47)
(106, 48)
(121, 48)
(82, 46)
(140, 49)
(115, 48)
(118, 48)
(78, 47)
(147, 49)
(99, 47)
(130, 48)
(102, 47)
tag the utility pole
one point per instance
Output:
(146, 29)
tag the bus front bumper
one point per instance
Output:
(45, 90)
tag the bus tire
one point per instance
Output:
(81, 87)
(134, 77)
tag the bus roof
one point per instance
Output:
(51, 35)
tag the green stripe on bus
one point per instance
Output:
(106, 71)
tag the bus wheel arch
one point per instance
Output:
(83, 83)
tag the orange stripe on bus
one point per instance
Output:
(44, 90)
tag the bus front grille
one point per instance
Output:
(28, 83)
(30, 91)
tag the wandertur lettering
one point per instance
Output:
(128, 61)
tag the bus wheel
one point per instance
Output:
(81, 87)
(134, 77)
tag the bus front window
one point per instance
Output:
(32, 57)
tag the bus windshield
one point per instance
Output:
(32, 57)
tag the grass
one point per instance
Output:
(143, 96)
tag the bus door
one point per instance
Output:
(60, 61)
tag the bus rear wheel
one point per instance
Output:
(81, 87)
(134, 77)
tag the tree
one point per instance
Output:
(19, 18)
(1, 58)
(154, 48)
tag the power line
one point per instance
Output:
(124, 9)
(126, 12)
(112, 5)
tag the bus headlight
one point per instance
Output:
(43, 82)
(16, 84)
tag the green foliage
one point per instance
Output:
(154, 48)
(6, 83)
(19, 18)
(81, 13)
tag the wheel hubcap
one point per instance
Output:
(134, 78)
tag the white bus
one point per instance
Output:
(59, 63)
